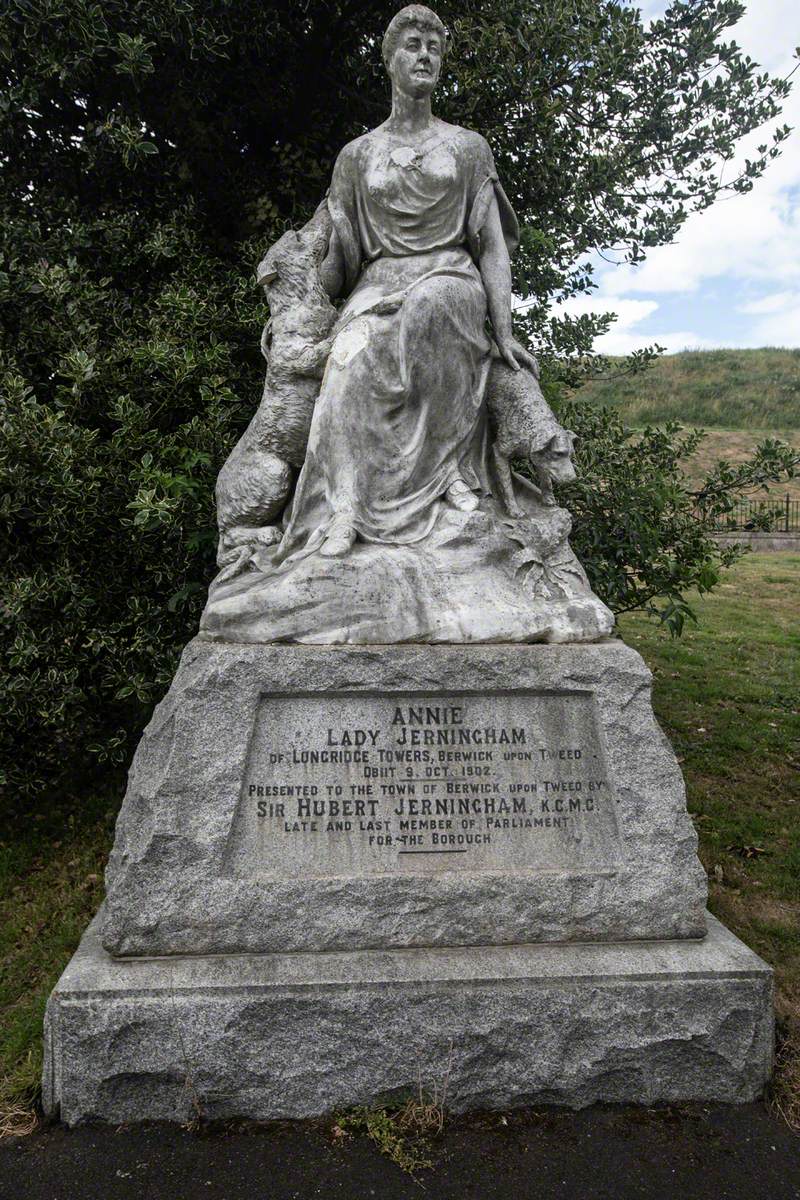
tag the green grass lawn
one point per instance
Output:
(51, 871)
(727, 694)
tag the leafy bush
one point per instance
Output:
(641, 529)
(108, 497)
(150, 153)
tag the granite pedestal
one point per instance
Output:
(335, 864)
(297, 1035)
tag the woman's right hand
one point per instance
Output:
(515, 354)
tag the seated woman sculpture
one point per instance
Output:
(406, 524)
(422, 232)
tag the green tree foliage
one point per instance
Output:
(151, 150)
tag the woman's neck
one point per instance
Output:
(409, 115)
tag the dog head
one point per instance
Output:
(556, 456)
(290, 266)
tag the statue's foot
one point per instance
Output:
(461, 497)
(249, 535)
(339, 540)
(234, 563)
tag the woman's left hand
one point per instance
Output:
(517, 356)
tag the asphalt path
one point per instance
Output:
(601, 1153)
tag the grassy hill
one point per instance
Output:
(713, 389)
(740, 396)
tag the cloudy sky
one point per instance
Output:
(733, 276)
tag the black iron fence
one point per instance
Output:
(776, 515)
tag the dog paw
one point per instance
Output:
(232, 563)
(250, 535)
(270, 535)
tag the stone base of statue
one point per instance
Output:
(297, 1035)
(333, 863)
(318, 798)
(477, 577)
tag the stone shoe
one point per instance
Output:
(461, 497)
(340, 539)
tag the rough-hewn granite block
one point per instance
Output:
(296, 1035)
(574, 828)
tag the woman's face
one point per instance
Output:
(416, 62)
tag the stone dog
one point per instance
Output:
(255, 481)
(524, 427)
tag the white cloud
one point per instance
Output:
(778, 327)
(754, 238)
(741, 258)
(629, 312)
(651, 9)
(769, 31)
(625, 336)
(616, 342)
(777, 302)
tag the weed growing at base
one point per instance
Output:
(394, 1133)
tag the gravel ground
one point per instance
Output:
(600, 1153)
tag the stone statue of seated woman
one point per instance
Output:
(398, 529)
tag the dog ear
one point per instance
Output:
(266, 275)
(561, 442)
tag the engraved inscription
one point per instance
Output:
(352, 784)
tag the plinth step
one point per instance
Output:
(299, 1035)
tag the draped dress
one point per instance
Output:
(401, 414)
